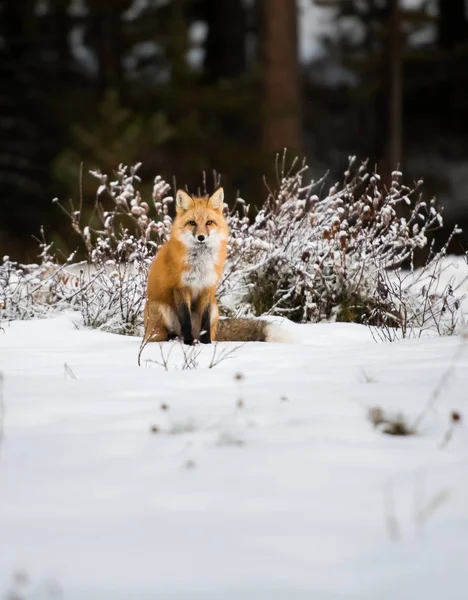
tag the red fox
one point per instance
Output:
(184, 275)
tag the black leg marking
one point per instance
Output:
(172, 335)
(185, 324)
(205, 337)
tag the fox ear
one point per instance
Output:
(183, 201)
(216, 199)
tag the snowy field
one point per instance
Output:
(125, 482)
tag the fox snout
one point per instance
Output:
(201, 239)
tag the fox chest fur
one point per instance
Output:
(201, 271)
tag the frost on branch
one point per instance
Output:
(120, 242)
(346, 254)
(34, 290)
(124, 223)
(339, 256)
(119, 239)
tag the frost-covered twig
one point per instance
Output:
(346, 254)
(339, 257)
(224, 354)
(164, 361)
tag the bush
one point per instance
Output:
(305, 255)
(29, 291)
(120, 241)
(339, 257)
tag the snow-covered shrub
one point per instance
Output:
(339, 256)
(110, 295)
(19, 285)
(33, 290)
(428, 299)
(122, 221)
(120, 241)
(346, 254)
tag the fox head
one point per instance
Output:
(200, 221)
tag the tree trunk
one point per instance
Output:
(106, 38)
(281, 127)
(394, 152)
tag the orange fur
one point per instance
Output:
(186, 271)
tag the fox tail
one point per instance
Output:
(250, 330)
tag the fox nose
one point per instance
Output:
(201, 238)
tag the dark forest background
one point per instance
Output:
(190, 85)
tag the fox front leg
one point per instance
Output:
(205, 311)
(205, 333)
(185, 319)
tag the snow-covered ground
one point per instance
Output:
(272, 485)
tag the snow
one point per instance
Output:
(273, 485)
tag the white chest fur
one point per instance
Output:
(201, 262)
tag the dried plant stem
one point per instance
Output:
(442, 382)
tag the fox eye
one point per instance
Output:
(210, 222)
(192, 224)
